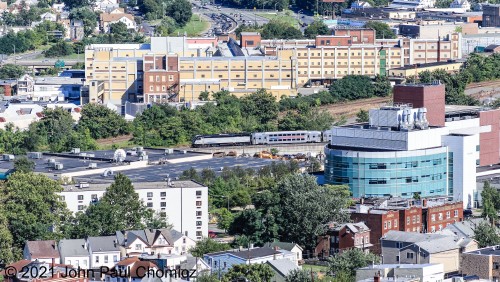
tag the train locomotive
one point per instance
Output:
(261, 138)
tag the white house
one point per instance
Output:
(360, 5)
(105, 5)
(58, 7)
(43, 251)
(428, 272)
(461, 4)
(184, 203)
(74, 252)
(107, 19)
(20, 115)
(153, 241)
(48, 17)
(291, 247)
(104, 251)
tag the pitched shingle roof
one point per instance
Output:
(42, 249)
(282, 245)
(114, 17)
(103, 244)
(250, 254)
(282, 266)
(73, 248)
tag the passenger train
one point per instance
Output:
(261, 138)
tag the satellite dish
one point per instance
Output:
(107, 172)
(119, 155)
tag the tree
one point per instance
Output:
(261, 105)
(204, 96)
(318, 27)
(10, 71)
(119, 209)
(251, 224)
(362, 116)
(88, 17)
(33, 208)
(301, 275)
(491, 202)
(207, 245)
(60, 49)
(119, 32)
(53, 129)
(78, 66)
(181, 11)
(102, 122)
(24, 165)
(382, 29)
(78, 3)
(280, 28)
(225, 218)
(207, 278)
(486, 235)
(381, 86)
(6, 240)
(352, 87)
(254, 272)
(348, 261)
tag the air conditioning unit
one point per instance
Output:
(169, 151)
(91, 155)
(75, 151)
(58, 166)
(84, 185)
(93, 165)
(7, 157)
(82, 154)
(35, 155)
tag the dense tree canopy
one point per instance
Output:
(102, 122)
(260, 272)
(486, 235)
(207, 245)
(382, 29)
(349, 260)
(60, 49)
(11, 71)
(88, 17)
(318, 27)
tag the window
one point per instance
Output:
(399, 245)
(163, 204)
(433, 228)
(414, 219)
(198, 203)
(397, 258)
(409, 255)
(198, 213)
(171, 77)
(385, 225)
(93, 196)
(150, 194)
(455, 213)
(199, 223)
(198, 193)
(157, 78)
(80, 197)
(433, 217)
(448, 214)
(80, 207)
(418, 218)
(183, 240)
(163, 194)
(115, 258)
(150, 204)
(138, 247)
(106, 259)
(199, 233)
(150, 88)
(440, 216)
(407, 220)
(395, 223)
(389, 224)
(97, 259)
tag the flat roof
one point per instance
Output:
(407, 266)
(489, 251)
(408, 67)
(137, 186)
(452, 109)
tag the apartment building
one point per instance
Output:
(439, 213)
(183, 203)
(485, 263)
(280, 66)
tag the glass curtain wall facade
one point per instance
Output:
(391, 173)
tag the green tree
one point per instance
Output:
(53, 129)
(318, 27)
(261, 105)
(348, 261)
(102, 122)
(85, 14)
(207, 245)
(60, 49)
(301, 275)
(120, 33)
(362, 116)
(180, 10)
(352, 87)
(22, 164)
(491, 202)
(486, 235)
(381, 86)
(279, 28)
(254, 272)
(33, 208)
(78, 66)
(119, 209)
(224, 218)
(204, 96)
(382, 30)
(78, 3)
(6, 240)
(207, 278)
(10, 71)
(250, 223)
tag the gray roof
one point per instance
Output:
(431, 243)
(282, 266)
(103, 244)
(282, 245)
(438, 245)
(464, 228)
(73, 248)
(149, 236)
(249, 254)
(410, 237)
(354, 227)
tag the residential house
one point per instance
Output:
(428, 272)
(57, 89)
(222, 261)
(360, 5)
(281, 269)
(342, 237)
(105, 5)
(74, 252)
(409, 247)
(44, 251)
(484, 263)
(439, 212)
(58, 7)
(107, 19)
(25, 84)
(460, 4)
(153, 241)
(3, 6)
(8, 87)
(104, 251)
(48, 17)
(291, 247)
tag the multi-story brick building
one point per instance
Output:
(343, 237)
(439, 213)
(280, 66)
(484, 263)
(379, 221)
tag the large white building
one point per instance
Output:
(184, 204)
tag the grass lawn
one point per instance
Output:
(194, 27)
(315, 268)
(282, 16)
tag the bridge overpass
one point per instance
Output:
(38, 65)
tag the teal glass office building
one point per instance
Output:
(375, 173)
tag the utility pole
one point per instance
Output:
(15, 58)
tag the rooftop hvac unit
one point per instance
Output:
(93, 165)
(35, 155)
(184, 152)
(91, 155)
(8, 157)
(75, 151)
(84, 185)
(448, 119)
(51, 161)
(82, 154)
(456, 118)
(144, 157)
(169, 151)
(58, 166)
(139, 149)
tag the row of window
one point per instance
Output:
(440, 215)
(397, 53)
(358, 62)
(162, 77)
